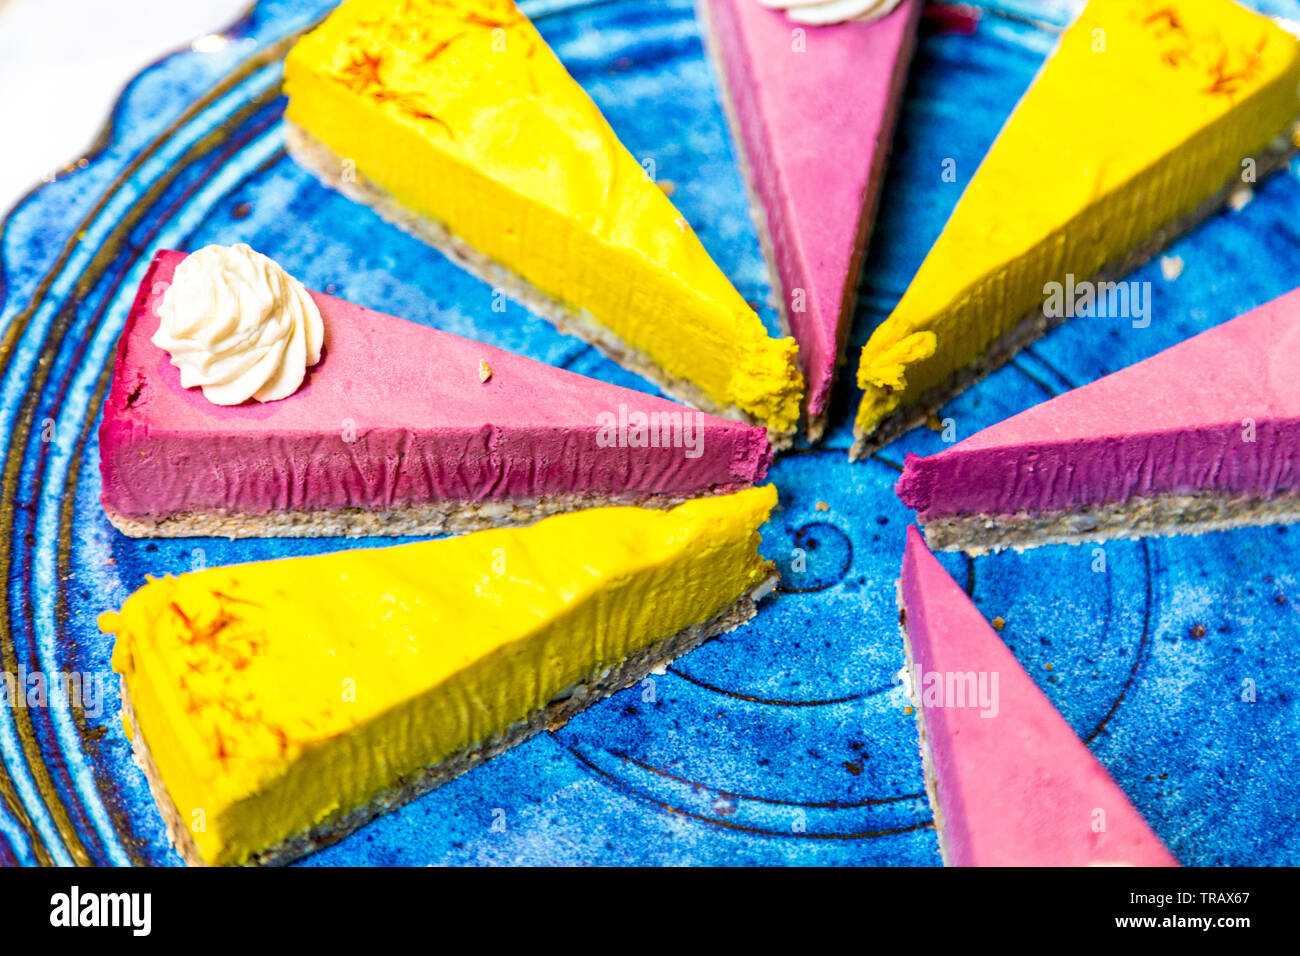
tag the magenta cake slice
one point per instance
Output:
(1204, 435)
(1010, 782)
(399, 429)
(813, 116)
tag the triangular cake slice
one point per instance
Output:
(399, 429)
(457, 122)
(282, 704)
(1010, 782)
(1140, 124)
(1204, 435)
(813, 117)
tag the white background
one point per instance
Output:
(63, 63)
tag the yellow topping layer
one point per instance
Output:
(1144, 111)
(462, 113)
(277, 695)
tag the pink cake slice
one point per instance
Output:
(1204, 435)
(813, 117)
(394, 432)
(1010, 782)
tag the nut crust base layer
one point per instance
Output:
(927, 756)
(430, 518)
(1160, 515)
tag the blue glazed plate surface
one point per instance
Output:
(785, 742)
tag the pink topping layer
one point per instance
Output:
(816, 126)
(393, 414)
(1219, 413)
(1017, 787)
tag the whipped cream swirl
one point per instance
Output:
(238, 326)
(823, 12)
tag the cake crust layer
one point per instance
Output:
(923, 738)
(1161, 515)
(433, 518)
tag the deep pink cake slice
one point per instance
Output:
(394, 431)
(1204, 435)
(813, 116)
(1010, 782)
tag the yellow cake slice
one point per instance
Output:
(456, 121)
(1141, 123)
(277, 706)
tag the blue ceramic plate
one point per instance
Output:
(785, 742)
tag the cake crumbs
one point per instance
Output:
(822, 506)
(1047, 667)
(1240, 198)
(1171, 267)
(1197, 632)
(907, 711)
(484, 370)
(998, 622)
(668, 186)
